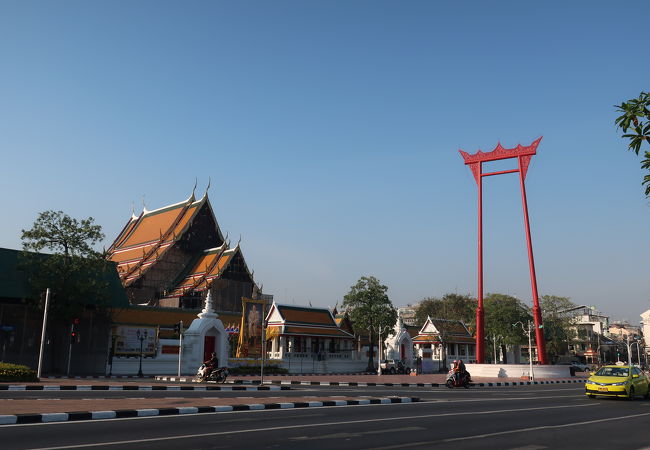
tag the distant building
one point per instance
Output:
(408, 314)
(21, 321)
(621, 330)
(592, 328)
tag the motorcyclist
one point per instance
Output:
(211, 364)
(455, 370)
(460, 372)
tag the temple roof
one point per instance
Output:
(209, 266)
(439, 330)
(304, 321)
(201, 253)
(145, 238)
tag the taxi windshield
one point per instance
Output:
(613, 372)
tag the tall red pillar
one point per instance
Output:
(523, 156)
(480, 314)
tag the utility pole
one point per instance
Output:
(71, 337)
(40, 353)
(263, 344)
(494, 340)
(180, 346)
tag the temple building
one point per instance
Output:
(172, 256)
(301, 332)
(441, 341)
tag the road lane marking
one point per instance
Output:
(515, 431)
(530, 447)
(314, 425)
(355, 434)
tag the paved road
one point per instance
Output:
(531, 417)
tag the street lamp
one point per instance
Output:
(494, 340)
(528, 330)
(141, 337)
(379, 329)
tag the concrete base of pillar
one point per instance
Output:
(517, 371)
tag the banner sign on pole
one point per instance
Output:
(250, 330)
(128, 343)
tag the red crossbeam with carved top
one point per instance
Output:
(523, 154)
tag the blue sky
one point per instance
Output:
(331, 131)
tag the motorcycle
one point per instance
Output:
(217, 375)
(462, 380)
(402, 368)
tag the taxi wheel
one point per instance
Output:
(630, 395)
(647, 394)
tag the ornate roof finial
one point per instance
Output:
(208, 186)
(144, 206)
(196, 181)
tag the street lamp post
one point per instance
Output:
(379, 330)
(629, 350)
(528, 330)
(141, 337)
(494, 340)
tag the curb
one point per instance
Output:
(40, 387)
(126, 413)
(370, 383)
(110, 377)
(354, 383)
(95, 377)
(526, 383)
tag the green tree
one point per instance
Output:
(450, 307)
(370, 310)
(72, 270)
(559, 330)
(501, 312)
(636, 118)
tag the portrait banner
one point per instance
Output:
(251, 328)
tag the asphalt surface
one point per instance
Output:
(522, 417)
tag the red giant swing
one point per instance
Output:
(475, 162)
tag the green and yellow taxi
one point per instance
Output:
(618, 381)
